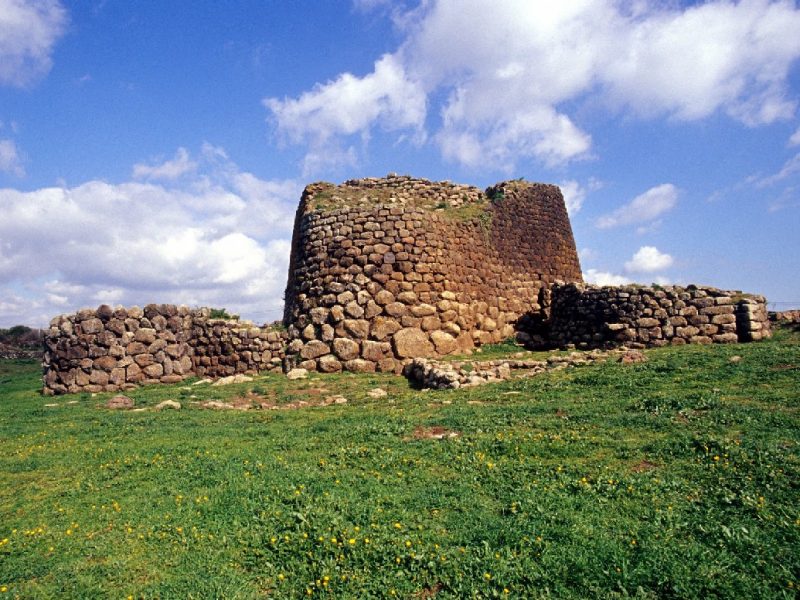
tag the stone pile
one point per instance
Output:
(110, 349)
(591, 316)
(386, 270)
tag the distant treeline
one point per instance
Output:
(20, 336)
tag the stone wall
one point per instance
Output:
(384, 270)
(591, 316)
(112, 349)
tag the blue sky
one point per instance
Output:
(156, 151)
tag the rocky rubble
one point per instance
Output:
(438, 374)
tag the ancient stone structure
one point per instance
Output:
(112, 349)
(384, 270)
(637, 316)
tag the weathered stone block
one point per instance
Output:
(383, 327)
(91, 326)
(359, 365)
(329, 364)
(412, 343)
(314, 349)
(145, 335)
(346, 349)
(443, 342)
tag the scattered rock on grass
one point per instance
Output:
(377, 393)
(632, 357)
(335, 400)
(735, 359)
(217, 405)
(297, 374)
(120, 403)
(168, 404)
(232, 379)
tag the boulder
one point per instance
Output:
(297, 373)
(171, 404)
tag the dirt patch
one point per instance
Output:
(643, 466)
(429, 592)
(784, 367)
(433, 433)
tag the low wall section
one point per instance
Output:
(112, 349)
(590, 316)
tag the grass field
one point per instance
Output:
(675, 478)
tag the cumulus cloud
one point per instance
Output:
(350, 105)
(645, 208)
(221, 238)
(648, 259)
(575, 193)
(10, 161)
(28, 31)
(170, 169)
(506, 79)
(604, 278)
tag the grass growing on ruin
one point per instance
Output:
(679, 477)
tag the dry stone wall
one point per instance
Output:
(591, 316)
(111, 349)
(384, 271)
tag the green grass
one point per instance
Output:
(675, 478)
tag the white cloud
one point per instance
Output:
(795, 139)
(574, 193)
(644, 208)
(789, 168)
(10, 161)
(587, 254)
(350, 105)
(170, 169)
(648, 259)
(604, 278)
(221, 238)
(509, 77)
(28, 31)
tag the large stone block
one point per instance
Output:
(314, 349)
(443, 342)
(411, 342)
(346, 349)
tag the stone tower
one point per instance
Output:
(383, 270)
